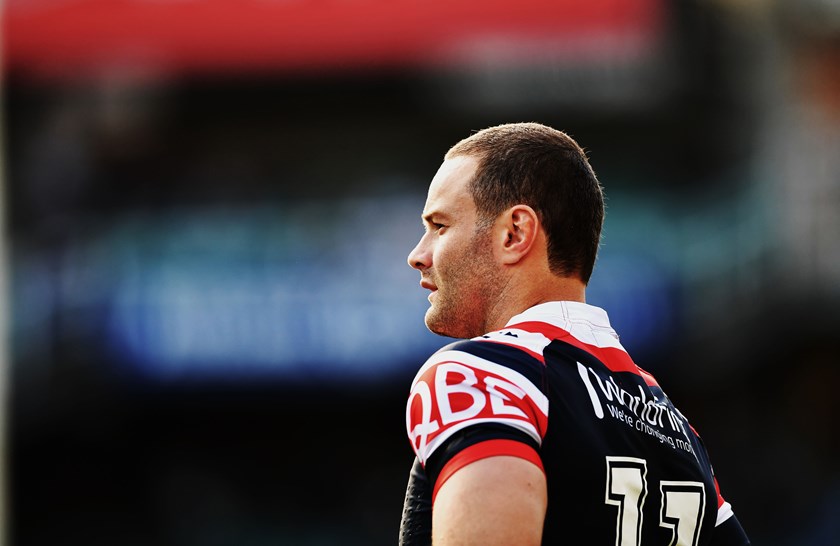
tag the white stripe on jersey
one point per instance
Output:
(724, 513)
(461, 357)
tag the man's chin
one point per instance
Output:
(441, 328)
(433, 323)
(439, 331)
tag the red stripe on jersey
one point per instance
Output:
(613, 358)
(483, 450)
(717, 490)
(720, 499)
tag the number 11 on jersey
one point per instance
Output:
(681, 511)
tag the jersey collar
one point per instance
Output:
(564, 313)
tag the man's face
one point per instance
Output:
(454, 258)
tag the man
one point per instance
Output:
(539, 429)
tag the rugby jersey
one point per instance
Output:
(623, 466)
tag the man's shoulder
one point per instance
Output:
(475, 382)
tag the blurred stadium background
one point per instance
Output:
(208, 204)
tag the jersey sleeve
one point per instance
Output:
(728, 530)
(474, 400)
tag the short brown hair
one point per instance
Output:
(535, 165)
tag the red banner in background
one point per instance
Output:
(72, 38)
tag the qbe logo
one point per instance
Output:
(449, 395)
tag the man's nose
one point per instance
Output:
(420, 257)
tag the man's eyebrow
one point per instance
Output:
(430, 216)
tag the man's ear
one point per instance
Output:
(520, 228)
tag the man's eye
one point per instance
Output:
(438, 227)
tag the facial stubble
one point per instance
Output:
(466, 290)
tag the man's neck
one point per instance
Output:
(518, 297)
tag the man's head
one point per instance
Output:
(544, 168)
(512, 209)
